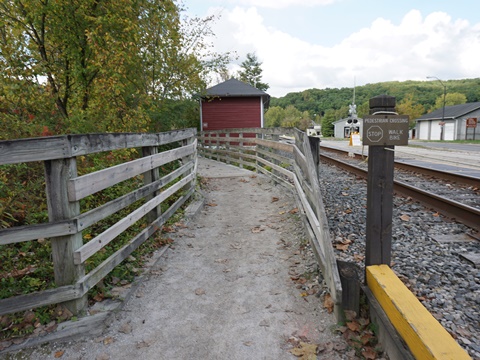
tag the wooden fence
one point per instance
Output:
(65, 189)
(293, 163)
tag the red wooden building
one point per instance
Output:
(232, 104)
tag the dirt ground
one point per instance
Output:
(238, 282)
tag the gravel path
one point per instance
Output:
(228, 288)
(446, 284)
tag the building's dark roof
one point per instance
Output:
(451, 112)
(234, 88)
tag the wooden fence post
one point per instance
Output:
(380, 193)
(57, 175)
(149, 177)
(315, 148)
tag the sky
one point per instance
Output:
(338, 43)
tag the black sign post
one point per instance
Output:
(381, 131)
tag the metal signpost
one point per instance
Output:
(381, 131)
(471, 123)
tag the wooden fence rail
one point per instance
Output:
(65, 189)
(292, 163)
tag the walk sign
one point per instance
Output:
(385, 130)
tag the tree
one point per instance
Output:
(408, 107)
(274, 116)
(450, 99)
(251, 72)
(327, 123)
(105, 65)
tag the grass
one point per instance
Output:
(27, 267)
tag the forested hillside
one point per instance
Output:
(325, 106)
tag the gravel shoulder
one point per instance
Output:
(238, 283)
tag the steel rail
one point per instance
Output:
(448, 176)
(462, 213)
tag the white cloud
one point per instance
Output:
(280, 4)
(416, 47)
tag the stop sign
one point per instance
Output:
(374, 133)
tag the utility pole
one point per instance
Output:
(442, 124)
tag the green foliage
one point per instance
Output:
(450, 99)
(251, 72)
(89, 66)
(411, 95)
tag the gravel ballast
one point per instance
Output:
(447, 284)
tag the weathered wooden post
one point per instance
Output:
(148, 178)
(57, 175)
(382, 130)
(315, 148)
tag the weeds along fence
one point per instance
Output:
(290, 157)
(165, 168)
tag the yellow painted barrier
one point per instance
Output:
(424, 335)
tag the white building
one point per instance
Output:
(449, 126)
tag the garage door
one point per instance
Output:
(449, 131)
(435, 131)
(423, 131)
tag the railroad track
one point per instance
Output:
(462, 213)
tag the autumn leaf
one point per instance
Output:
(212, 204)
(341, 247)
(358, 257)
(274, 199)
(99, 297)
(405, 217)
(348, 211)
(257, 229)
(353, 325)
(107, 340)
(305, 351)
(59, 354)
(369, 353)
(328, 303)
(365, 338)
(293, 211)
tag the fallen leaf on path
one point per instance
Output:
(248, 343)
(257, 229)
(253, 176)
(59, 354)
(221, 261)
(107, 340)
(243, 180)
(199, 291)
(264, 323)
(293, 211)
(142, 344)
(274, 199)
(328, 303)
(212, 204)
(348, 211)
(281, 212)
(305, 351)
(405, 217)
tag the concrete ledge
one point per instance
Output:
(423, 334)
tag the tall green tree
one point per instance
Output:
(103, 65)
(274, 116)
(450, 99)
(251, 72)
(408, 106)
